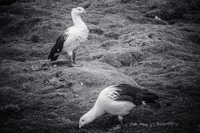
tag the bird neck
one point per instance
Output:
(77, 19)
(95, 112)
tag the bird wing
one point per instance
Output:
(136, 95)
(57, 48)
(127, 92)
(148, 97)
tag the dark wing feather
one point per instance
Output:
(154, 104)
(57, 48)
(136, 95)
(127, 92)
(148, 97)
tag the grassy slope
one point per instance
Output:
(123, 47)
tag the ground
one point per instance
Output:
(126, 44)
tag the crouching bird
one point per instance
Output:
(119, 100)
(72, 39)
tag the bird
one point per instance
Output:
(72, 39)
(119, 100)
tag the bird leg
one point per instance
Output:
(73, 60)
(121, 121)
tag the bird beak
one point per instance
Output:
(85, 12)
(80, 126)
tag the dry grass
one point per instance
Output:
(124, 46)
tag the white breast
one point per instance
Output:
(77, 35)
(83, 35)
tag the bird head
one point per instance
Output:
(78, 10)
(85, 119)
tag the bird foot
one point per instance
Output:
(45, 66)
(76, 65)
(122, 125)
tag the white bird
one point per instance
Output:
(72, 39)
(119, 100)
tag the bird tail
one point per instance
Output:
(149, 98)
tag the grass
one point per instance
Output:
(125, 45)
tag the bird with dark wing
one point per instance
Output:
(119, 100)
(72, 39)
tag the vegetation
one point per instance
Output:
(127, 44)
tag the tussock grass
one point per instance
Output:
(159, 47)
(108, 43)
(18, 29)
(96, 30)
(123, 58)
(170, 10)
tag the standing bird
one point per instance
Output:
(72, 39)
(119, 100)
